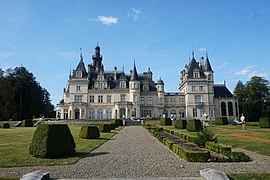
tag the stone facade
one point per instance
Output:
(97, 94)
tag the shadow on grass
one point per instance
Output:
(91, 154)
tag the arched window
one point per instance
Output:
(100, 114)
(91, 114)
(230, 108)
(109, 114)
(223, 109)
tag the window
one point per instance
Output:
(141, 100)
(230, 108)
(181, 100)
(161, 100)
(91, 114)
(78, 74)
(91, 99)
(122, 97)
(193, 88)
(145, 87)
(78, 98)
(109, 114)
(196, 75)
(173, 100)
(165, 99)
(223, 109)
(194, 112)
(149, 100)
(78, 88)
(109, 98)
(209, 77)
(146, 113)
(135, 98)
(100, 99)
(200, 88)
(100, 114)
(122, 84)
(198, 99)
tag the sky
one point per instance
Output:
(46, 38)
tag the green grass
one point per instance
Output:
(224, 133)
(15, 142)
(250, 176)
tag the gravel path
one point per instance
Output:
(134, 153)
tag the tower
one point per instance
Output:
(97, 60)
(134, 91)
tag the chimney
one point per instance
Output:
(115, 72)
(202, 61)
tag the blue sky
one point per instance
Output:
(46, 37)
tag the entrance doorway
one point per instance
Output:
(77, 114)
(122, 113)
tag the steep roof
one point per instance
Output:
(81, 67)
(134, 74)
(207, 64)
(222, 91)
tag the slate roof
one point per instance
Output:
(207, 65)
(222, 91)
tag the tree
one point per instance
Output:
(253, 98)
(21, 96)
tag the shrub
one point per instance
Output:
(204, 136)
(264, 122)
(104, 127)
(112, 126)
(222, 120)
(27, 123)
(89, 132)
(52, 141)
(118, 122)
(6, 126)
(217, 147)
(237, 157)
(180, 124)
(165, 121)
(194, 125)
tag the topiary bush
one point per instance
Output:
(89, 132)
(264, 122)
(118, 122)
(27, 123)
(180, 124)
(194, 125)
(222, 120)
(204, 136)
(6, 126)
(52, 141)
(165, 121)
(112, 126)
(104, 127)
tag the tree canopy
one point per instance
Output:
(253, 98)
(21, 96)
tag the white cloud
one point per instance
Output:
(134, 14)
(151, 42)
(248, 72)
(5, 55)
(222, 65)
(202, 49)
(107, 20)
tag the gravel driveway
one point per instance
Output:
(134, 153)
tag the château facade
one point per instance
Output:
(96, 94)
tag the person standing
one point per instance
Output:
(243, 121)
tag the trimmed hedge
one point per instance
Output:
(118, 122)
(222, 120)
(104, 127)
(27, 123)
(6, 126)
(180, 124)
(165, 121)
(264, 122)
(52, 141)
(217, 147)
(112, 126)
(89, 132)
(191, 156)
(194, 125)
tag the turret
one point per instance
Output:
(97, 60)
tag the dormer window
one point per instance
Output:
(209, 77)
(123, 85)
(196, 75)
(78, 74)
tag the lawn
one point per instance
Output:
(253, 138)
(15, 142)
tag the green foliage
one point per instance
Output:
(27, 123)
(104, 127)
(194, 125)
(191, 156)
(237, 157)
(165, 121)
(89, 132)
(180, 124)
(112, 126)
(217, 147)
(253, 98)
(21, 96)
(118, 122)
(52, 141)
(264, 122)
(6, 125)
(204, 136)
(222, 120)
